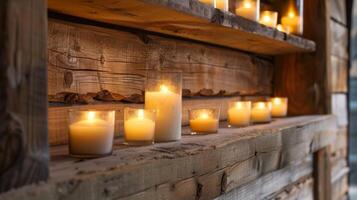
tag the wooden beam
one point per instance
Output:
(23, 98)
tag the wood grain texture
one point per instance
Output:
(303, 77)
(338, 11)
(187, 19)
(23, 99)
(339, 108)
(339, 74)
(339, 40)
(322, 175)
(300, 190)
(197, 167)
(87, 59)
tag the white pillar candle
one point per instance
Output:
(269, 18)
(139, 126)
(248, 9)
(168, 105)
(239, 113)
(91, 136)
(261, 112)
(279, 107)
(204, 121)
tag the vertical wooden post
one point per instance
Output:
(23, 93)
(303, 78)
(322, 175)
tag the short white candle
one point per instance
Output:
(139, 128)
(248, 9)
(279, 107)
(168, 105)
(260, 112)
(239, 113)
(269, 18)
(205, 122)
(91, 136)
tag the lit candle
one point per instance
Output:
(221, 4)
(269, 18)
(209, 2)
(168, 105)
(91, 133)
(281, 28)
(292, 22)
(279, 107)
(139, 126)
(239, 113)
(248, 9)
(260, 112)
(204, 121)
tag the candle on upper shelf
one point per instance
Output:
(91, 133)
(248, 9)
(269, 18)
(163, 94)
(285, 29)
(139, 126)
(292, 19)
(239, 113)
(219, 4)
(204, 120)
(260, 112)
(279, 106)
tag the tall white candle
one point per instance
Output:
(91, 136)
(168, 105)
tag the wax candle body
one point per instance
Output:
(91, 137)
(209, 2)
(279, 107)
(239, 115)
(292, 23)
(168, 106)
(248, 9)
(204, 125)
(139, 129)
(260, 113)
(221, 4)
(269, 18)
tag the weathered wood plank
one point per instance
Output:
(338, 11)
(339, 108)
(309, 95)
(339, 40)
(187, 19)
(300, 190)
(194, 168)
(340, 188)
(23, 99)
(339, 74)
(322, 175)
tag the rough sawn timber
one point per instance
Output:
(187, 19)
(197, 167)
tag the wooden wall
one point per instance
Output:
(84, 58)
(338, 81)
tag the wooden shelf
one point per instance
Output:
(233, 162)
(187, 19)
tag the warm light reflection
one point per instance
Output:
(203, 115)
(291, 14)
(261, 105)
(239, 105)
(266, 18)
(277, 101)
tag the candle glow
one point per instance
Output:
(279, 106)
(261, 112)
(239, 113)
(139, 128)
(203, 121)
(248, 9)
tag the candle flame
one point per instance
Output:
(239, 105)
(203, 115)
(141, 114)
(261, 105)
(266, 18)
(277, 101)
(247, 4)
(291, 14)
(164, 88)
(91, 115)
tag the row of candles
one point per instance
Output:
(91, 132)
(291, 19)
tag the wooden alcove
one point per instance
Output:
(110, 44)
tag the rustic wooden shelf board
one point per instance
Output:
(197, 167)
(187, 19)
